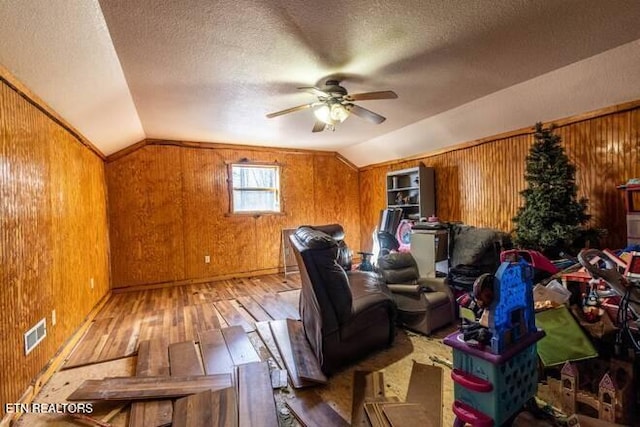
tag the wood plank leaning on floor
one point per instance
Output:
(264, 331)
(106, 339)
(233, 316)
(91, 344)
(309, 408)
(304, 357)
(215, 355)
(138, 388)
(406, 414)
(239, 345)
(277, 307)
(425, 387)
(153, 359)
(208, 408)
(254, 309)
(281, 336)
(255, 396)
(367, 387)
(374, 414)
(184, 359)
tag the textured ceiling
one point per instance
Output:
(201, 70)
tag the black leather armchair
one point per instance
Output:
(346, 315)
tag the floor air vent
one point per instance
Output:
(34, 335)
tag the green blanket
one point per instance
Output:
(564, 340)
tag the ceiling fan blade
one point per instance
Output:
(385, 94)
(318, 126)
(289, 110)
(366, 114)
(315, 91)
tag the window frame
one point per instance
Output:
(277, 190)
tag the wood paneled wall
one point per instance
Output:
(169, 204)
(53, 236)
(480, 185)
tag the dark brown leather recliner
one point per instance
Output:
(346, 316)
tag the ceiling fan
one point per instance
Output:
(334, 105)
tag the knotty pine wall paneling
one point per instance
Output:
(372, 200)
(297, 198)
(79, 219)
(337, 197)
(53, 236)
(146, 187)
(209, 230)
(480, 185)
(315, 188)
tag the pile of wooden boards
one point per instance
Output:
(220, 379)
(422, 406)
(223, 381)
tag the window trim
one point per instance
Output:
(276, 190)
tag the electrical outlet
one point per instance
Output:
(92, 283)
(53, 317)
(207, 259)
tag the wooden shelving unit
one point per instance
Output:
(412, 190)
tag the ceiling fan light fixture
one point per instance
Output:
(323, 113)
(335, 105)
(338, 112)
(331, 112)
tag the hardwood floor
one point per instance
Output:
(180, 313)
(218, 317)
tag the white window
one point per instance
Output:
(254, 188)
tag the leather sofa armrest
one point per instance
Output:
(434, 284)
(407, 289)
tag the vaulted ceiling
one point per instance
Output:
(200, 70)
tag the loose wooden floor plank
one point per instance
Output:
(184, 359)
(239, 345)
(277, 307)
(281, 337)
(209, 408)
(233, 316)
(367, 387)
(205, 317)
(264, 331)
(254, 309)
(404, 414)
(137, 388)
(152, 326)
(244, 313)
(215, 354)
(153, 413)
(153, 359)
(194, 410)
(106, 339)
(425, 387)
(309, 408)
(256, 405)
(303, 356)
(375, 415)
(91, 344)
(291, 297)
(279, 378)
(224, 405)
(123, 338)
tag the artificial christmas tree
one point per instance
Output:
(552, 217)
